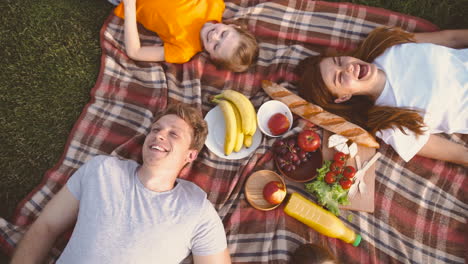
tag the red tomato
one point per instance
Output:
(349, 172)
(330, 177)
(346, 183)
(336, 167)
(340, 157)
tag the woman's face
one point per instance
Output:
(348, 75)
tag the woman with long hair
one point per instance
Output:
(401, 87)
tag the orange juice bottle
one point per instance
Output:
(319, 219)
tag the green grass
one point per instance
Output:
(50, 58)
(447, 14)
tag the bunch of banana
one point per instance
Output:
(240, 118)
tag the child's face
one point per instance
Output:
(347, 75)
(219, 40)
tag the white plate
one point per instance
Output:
(216, 134)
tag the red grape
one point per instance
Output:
(302, 154)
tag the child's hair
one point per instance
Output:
(361, 109)
(244, 55)
(312, 254)
(193, 118)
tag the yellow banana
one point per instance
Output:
(231, 125)
(254, 124)
(247, 141)
(246, 109)
(240, 135)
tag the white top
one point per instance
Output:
(430, 78)
(120, 221)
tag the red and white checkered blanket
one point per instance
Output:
(421, 206)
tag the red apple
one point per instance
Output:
(278, 124)
(274, 192)
(308, 140)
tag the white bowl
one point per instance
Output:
(267, 110)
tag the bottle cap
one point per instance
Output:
(357, 240)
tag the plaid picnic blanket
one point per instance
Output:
(421, 206)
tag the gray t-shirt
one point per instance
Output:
(120, 221)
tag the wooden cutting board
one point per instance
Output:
(360, 202)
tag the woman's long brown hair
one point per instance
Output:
(360, 109)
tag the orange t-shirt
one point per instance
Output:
(177, 23)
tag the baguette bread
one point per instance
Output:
(318, 116)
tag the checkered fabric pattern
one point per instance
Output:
(421, 206)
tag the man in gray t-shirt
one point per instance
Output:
(127, 213)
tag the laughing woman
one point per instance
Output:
(403, 88)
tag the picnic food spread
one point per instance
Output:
(290, 153)
(336, 179)
(318, 116)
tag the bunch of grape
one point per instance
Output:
(289, 156)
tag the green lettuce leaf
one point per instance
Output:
(328, 195)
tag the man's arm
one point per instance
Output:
(132, 39)
(222, 257)
(456, 38)
(57, 217)
(443, 149)
(210, 236)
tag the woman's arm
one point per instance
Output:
(443, 149)
(455, 38)
(132, 39)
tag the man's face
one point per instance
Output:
(169, 141)
(219, 40)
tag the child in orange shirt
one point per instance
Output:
(186, 28)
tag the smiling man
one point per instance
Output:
(131, 213)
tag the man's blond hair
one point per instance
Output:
(193, 118)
